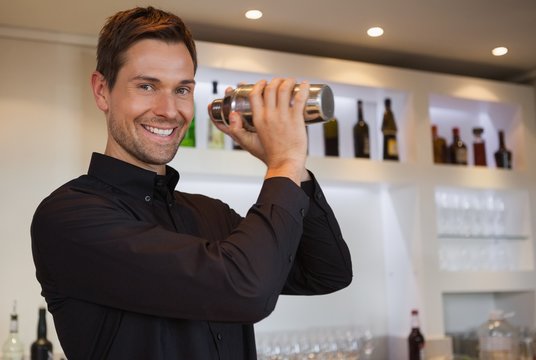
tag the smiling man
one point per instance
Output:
(132, 268)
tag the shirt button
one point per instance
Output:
(147, 198)
(290, 258)
(219, 336)
(302, 212)
(318, 195)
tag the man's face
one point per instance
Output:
(151, 104)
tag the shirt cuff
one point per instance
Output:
(283, 192)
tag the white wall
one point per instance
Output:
(49, 128)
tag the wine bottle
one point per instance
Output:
(479, 147)
(361, 134)
(13, 349)
(503, 157)
(416, 340)
(457, 150)
(41, 348)
(189, 137)
(389, 129)
(331, 137)
(215, 136)
(439, 146)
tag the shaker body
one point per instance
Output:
(319, 107)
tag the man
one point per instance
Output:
(132, 269)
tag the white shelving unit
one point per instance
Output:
(412, 242)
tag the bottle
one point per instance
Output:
(439, 146)
(189, 137)
(361, 134)
(215, 136)
(319, 107)
(390, 143)
(416, 340)
(457, 150)
(41, 348)
(479, 147)
(331, 137)
(497, 338)
(12, 349)
(503, 157)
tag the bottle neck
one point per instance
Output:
(415, 321)
(14, 325)
(501, 140)
(42, 325)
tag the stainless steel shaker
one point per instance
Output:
(319, 106)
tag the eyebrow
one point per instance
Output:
(156, 80)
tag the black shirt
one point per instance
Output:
(132, 269)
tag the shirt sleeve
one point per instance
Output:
(94, 248)
(322, 263)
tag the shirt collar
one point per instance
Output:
(128, 177)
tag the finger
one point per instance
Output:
(256, 99)
(284, 94)
(300, 98)
(228, 90)
(270, 93)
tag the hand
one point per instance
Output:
(281, 140)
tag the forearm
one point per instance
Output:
(323, 262)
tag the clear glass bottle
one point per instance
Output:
(389, 130)
(361, 134)
(479, 147)
(416, 340)
(13, 349)
(497, 338)
(215, 136)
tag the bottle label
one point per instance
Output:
(461, 156)
(366, 146)
(392, 147)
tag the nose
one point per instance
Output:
(165, 106)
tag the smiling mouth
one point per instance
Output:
(157, 131)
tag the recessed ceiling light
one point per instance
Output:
(375, 31)
(499, 51)
(253, 14)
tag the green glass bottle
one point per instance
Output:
(189, 137)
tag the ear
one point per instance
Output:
(100, 91)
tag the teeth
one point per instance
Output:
(157, 131)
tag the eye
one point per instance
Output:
(183, 91)
(146, 87)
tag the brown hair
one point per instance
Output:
(125, 28)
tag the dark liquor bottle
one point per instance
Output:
(457, 150)
(361, 134)
(479, 147)
(331, 137)
(503, 157)
(390, 143)
(416, 340)
(41, 348)
(439, 146)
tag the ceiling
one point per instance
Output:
(448, 36)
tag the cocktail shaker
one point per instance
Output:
(319, 106)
